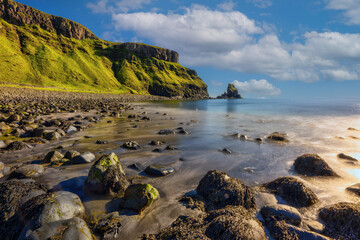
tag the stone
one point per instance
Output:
(70, 229)
(158, 170)
(354, 189)
(86, 157)
(100, 142)
(131, 145)
(108, 226)
(347, 157)
(171, 148)
(52, 136)
(157, 150)
(13, 118)
(313, 165)
(278, 137)
(132, 116)
(2, 144)
(281, 212)
(17, 145)
(138, 197)
(71, 154)
(166, 132)
(71, 129)
(231, 93)
(107, 176)
(226, 151)
(342, 220)
(27, 171)
(156, 143)
(183, 132)
(220, 190)
(2, 166)
(292, 191)
(53, 156)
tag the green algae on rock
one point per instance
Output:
(139, 196)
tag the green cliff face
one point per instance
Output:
(43, 50)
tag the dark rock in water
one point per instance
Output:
(156, 143)
(137, 166)
(240, 136)
(11, 194)
(313, 165)
(293, 191)
(71, 154)
(53, 156)
(226, 151)
(233, 223)
(108, 226)
(145, 118)
(36, 140)
(183, 132)
(38, 132)
(347, 157)
(157, 150)
(74, 228)
(13, 118)
(132, 116)
(71, 129)
(87, 157)
(231, 93)
(281, 212)
(342, 220)
(354, 188)
(171, 148)
(131, 145)
(107, 176)
(100, 142)
(138, 197)
(220, 190)
(278, 137)
(27, 171)
(15, 146)
(52, 136)
(158, 170)
(17, 132)
(258, 140)
(166, 132)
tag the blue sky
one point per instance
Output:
(267, 48)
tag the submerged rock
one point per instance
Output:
(220, 190)
(131, 145)
(166, 132)
(158, 170)
(156, 143)
(313, 165)
(87, 157)
(342, 220)
(27, 171)
(138, 197)
(292, 191)
(107, 176)
(281, 212)
(278, 137)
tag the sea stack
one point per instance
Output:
(231, 93)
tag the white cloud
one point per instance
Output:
(216, 83)
(113, 6)
(261, 3)
(230, 40)
(226, 6)
(262, 88)
(351, 9)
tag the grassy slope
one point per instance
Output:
(31, 55)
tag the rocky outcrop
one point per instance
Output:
(231, 93)
(20, 14)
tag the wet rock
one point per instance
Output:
(13, 118)
(15, 146)
(27, 171)
(258, 140)
(342, 220)
(52, 136)
(159, 170)
(220, 190)
(17, 132)
(107, 176)
(292, 191)
(313, 225)
(138, 197)
(145, 118)
(183, 132)
(354, 188)
(305, 234)
(157, 150)
(240, 136)
(226, 151)
(131, 145)
(71, 129)
(281, 212)
(71, 154)
(108, 226)
(2, 144)
(61, 132)
(38, 132)
(156, 143)
(278, 137)
(36, 140)
(74, 228)
(171, 148)
(53, 156)
(11, 194)
(2, 166)
(87, 157)
(313, 165)
(347, 157)
(100, 142)
(132, 116)
(166, 132)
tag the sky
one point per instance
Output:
(267, 48)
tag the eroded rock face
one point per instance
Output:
(107, 176)
(293, 191)
(342, 220)
(139, 196)
(220, 190)
(313, 165)
(231, 93)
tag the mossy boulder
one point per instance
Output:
(139, 196)
(107, 176)
(313, 165)
(53, 156)
(293, 191)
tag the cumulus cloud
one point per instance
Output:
(113, 6)
(230, 40)
(262, 87)
(226, 6)
(351, 9)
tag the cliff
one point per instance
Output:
(44, 50)
(231, 93)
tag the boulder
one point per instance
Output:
(158, 170)
(220, 190)
(107, 176)
(131, 145)
(70, 229)
(71, 129)
(15, 146)
(53, 156)
(278, 137)
(108, 226)
(27, 171)
(13, 118)
(52, 136)
(86, 157)
(281, 212)
(293, 191)
(71, 154)
(2, 144)
(342, 220)
(313, 165)
(156, 143)
(138, 197)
